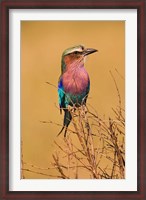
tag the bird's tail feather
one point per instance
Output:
(61, 130)
(67, 120)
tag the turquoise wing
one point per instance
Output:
(61, 94)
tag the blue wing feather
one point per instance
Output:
(61, 94)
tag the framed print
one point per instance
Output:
(72, 91)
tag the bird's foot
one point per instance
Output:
(71, 109)
(84, 108)
(83, 111)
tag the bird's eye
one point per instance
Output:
(75, 52)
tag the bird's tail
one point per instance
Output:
(67, 120)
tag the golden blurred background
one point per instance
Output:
(42, 44)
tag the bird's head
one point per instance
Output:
(74, 56)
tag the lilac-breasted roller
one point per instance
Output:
(74, 82)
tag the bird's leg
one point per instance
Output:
(84, 108)
(71, 108)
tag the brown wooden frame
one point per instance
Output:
(6, 5)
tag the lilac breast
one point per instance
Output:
(75, 81)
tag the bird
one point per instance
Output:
(74, 81)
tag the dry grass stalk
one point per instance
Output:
(94, 148)
(110, 137)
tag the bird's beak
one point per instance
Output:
(89, 51)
